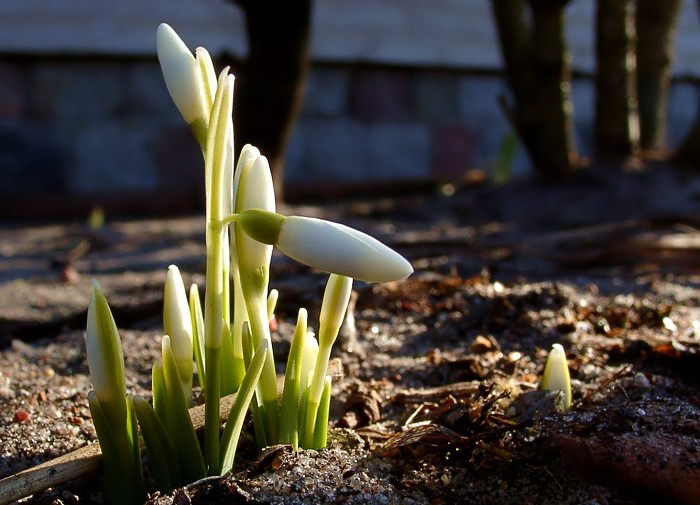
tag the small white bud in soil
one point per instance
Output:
(556, 374)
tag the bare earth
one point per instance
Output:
(438, 402)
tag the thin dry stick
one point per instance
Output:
(74, 464)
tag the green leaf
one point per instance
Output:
(197, 333)
(232, 430)
(321, 428)
(161, 457)
(289, 428)
(124, 478)
(179, 425)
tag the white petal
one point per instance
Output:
(207, 74)
(339, 249)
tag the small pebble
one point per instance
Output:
(22, 416)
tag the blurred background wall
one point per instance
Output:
(399, 91)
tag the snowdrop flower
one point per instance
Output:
(556, 374)
(253, 189)
(177, 323)
(327, 246)
(105, 358)
(190, 81)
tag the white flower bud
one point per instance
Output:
(335, 302)
(556, 374)
(254, 190)
(105, 357)
(308, 361)
(182, 75)
(177, 321)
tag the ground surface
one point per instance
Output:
(438, 402)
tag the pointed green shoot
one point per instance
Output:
(335, 303)
(289, 428)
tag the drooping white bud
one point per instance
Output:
(327, 246)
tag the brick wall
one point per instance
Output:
(80, 127)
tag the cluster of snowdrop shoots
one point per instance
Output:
(228, 337)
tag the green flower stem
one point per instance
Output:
(240, 315)
(335, 303)
(303, 407)
(225, 274)
(212, 424)
(232, 430)
(199, 131)
(321, 428)
(215, 158)
(289, 427)
(256, 406)
(228, 379)
(161, 458)
(316, 391)
(260, 329)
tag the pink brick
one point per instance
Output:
(453, 150)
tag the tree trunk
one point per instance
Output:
(269, 90)
(617, 120)
(538, 74)
(656, 31)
